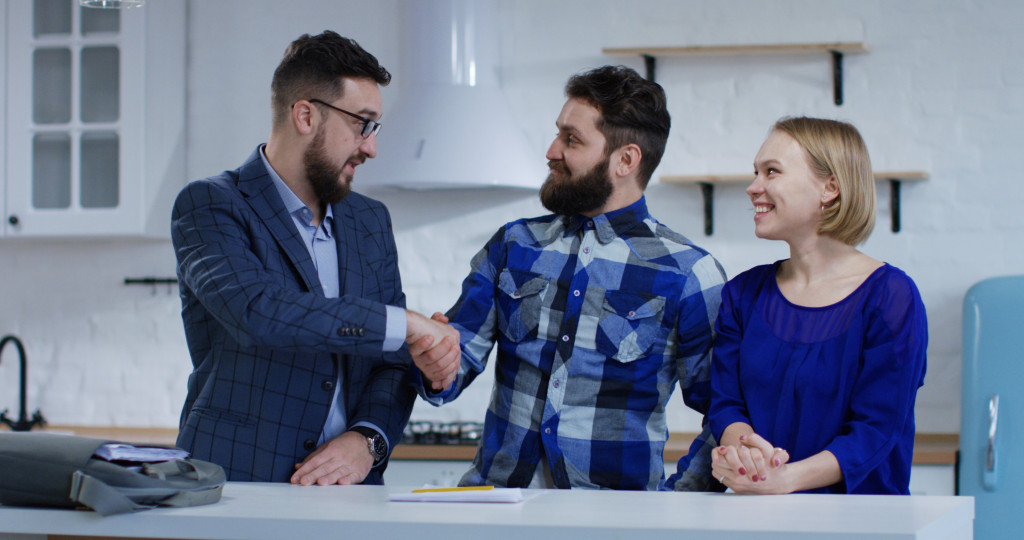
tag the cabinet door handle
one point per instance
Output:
(13, 220)
(989, 476)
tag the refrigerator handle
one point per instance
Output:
(989, 476)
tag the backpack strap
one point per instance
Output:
(105, 500)
(178, 467)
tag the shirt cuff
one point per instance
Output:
(427, 393)
(394, 331)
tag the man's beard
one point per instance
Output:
(569, 195)
(323, 175)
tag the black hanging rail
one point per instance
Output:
(152, 282)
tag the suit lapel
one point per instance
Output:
(257, 186)
(345, 230)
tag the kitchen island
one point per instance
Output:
(260, 510)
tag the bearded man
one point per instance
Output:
(291, 299)
(598, 311)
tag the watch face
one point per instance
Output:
(380, 448)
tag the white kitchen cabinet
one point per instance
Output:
(94, 104)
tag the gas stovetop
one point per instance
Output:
(430, 432)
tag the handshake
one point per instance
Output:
(434, 347)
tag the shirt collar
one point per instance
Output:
(610, 225)
(292, 203)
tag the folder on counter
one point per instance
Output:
(483, 494)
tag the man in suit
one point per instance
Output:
(291, 298)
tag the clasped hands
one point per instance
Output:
(751, 466)
(434, 348)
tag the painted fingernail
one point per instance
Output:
(777, 463)
(743, 437)
(754, 478)
(763, 478)
(743, 471)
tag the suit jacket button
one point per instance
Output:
(360, 332)
(327, 385)
(342, 332)
(309, 445)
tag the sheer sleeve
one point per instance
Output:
(893, 367)
(727, 403)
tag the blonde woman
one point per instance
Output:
(818, 357)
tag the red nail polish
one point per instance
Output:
(763, 478)
(743, 471)
(777, 463)
(743, 437)
(754, 478)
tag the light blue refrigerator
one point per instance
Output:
(991, 467)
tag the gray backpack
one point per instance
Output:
(44, 469)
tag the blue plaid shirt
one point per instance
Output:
(596, 319)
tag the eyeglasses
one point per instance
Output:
(370, 127)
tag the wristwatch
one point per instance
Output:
(374, 442)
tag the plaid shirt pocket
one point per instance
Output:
(519, 303)
(630, 324)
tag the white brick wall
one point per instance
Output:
(940, 91)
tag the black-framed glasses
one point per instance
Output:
(370, 127)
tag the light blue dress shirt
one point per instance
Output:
(323, 249)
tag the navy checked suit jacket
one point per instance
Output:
(266, 345)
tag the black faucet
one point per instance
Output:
(23, 423)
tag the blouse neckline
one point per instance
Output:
(863, 284)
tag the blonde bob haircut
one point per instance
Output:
(836, 149)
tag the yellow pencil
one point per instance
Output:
(467, 488)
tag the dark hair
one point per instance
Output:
(314, 66)
(633, 110)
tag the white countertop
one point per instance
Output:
(259, 510)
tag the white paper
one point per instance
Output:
(143, 454)
(496, 495)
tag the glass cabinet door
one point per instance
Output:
(75, 84)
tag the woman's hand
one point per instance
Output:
(751, 466)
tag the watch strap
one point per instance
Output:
(372, 435)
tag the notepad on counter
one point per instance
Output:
(482, 494)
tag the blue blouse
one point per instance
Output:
(841, 378)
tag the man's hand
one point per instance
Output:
(343, 460)
(434, 348)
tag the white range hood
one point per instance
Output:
(451, 126)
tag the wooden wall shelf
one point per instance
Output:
(707, 184)
(836, 50)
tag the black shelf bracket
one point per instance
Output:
(649, 64)
(834, 49)
(837, 77)
(707, 192)
(894, 203)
